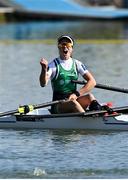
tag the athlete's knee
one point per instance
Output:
(91, 97)
(75, 106)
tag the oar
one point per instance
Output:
(123, 109)
(115, 111)
(102, 86)
(27, 108)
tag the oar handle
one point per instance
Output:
(102, 86)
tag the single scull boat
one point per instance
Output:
(91, 120)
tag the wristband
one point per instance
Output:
(77, 93)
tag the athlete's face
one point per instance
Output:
(65, 49)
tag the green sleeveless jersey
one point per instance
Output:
(61, 83)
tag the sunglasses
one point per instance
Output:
(68, 45)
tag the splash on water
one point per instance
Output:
(39, 172)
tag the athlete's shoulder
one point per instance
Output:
(76, 61)
(52, 63)
(80, 65)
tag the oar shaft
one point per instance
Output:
(30, 108)
(47, 104)
(107, 87)
(123, 109)
(102, 86)
(8, 113)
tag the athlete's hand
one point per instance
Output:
(44, 64)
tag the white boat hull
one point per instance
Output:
(40, 120)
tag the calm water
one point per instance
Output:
(59, 154)
(63, 154)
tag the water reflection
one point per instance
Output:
(78, 29)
